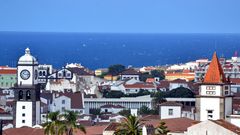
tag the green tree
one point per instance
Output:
(131, 126)
(144, 110)
(116, 69)
(125, 113)
(181, 92)
(162, 129)
(113, 94)
(94, 111)
(143, 77)
(158, 73)
(69, 123)
(51, 127)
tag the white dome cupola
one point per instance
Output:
(27, 58)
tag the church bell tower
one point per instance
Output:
(27, 92)
(215, 100)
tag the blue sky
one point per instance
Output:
(121, 16)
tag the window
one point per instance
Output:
(210, 114)
(211, 88)
(23, 107)
(28, 95)
(63, 109)
(63, 101)
(20, 95)
(23, 115)
(226, 87)
(226, 92)
(170, 111)
(23, 121)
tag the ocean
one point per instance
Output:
(98, 50)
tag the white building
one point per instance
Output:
(178, 83)
(67, 101)
(130, 74)
(127, 102)
(170, 110)
(215, 100)
(27, 92)
(108, 108)
(210, 127)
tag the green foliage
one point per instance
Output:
(162, 128)
(116, 69)
(69, 123)
(158, 73)
(131, 126)
(125, 113)
(181, 92)
(140, 93)
(113, 94)
(153, 73)
(52, 127)
(143, 77)
(95, 111)
(102, 75)
(62, 123)
(118, 94)
(144, 110)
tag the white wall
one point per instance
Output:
(208, 128)
(209, 104)
(28, 114)
(164, 112)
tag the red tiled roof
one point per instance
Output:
(76, 99)
(24, 131)
(215, 72)
(8, 71)
(227, 125)
(170, 103)
(93, 130)
(150, 80)
(177, 125)
(235, 80)
(112, 127)
(130, 71)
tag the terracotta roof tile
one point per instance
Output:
(8, 71)
(171, 103)
(130, 71)
(227, 125)
(215, 72)
(23, 131)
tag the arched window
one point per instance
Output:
(40, 73)
(44, 73)
(20, 95)
(28, 96)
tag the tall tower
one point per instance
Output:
(27, 92)
(214, 101)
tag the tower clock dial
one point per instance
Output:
(25, 74)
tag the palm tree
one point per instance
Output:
(69, 123)
(162, 128)
(51, 127)
(130, 126)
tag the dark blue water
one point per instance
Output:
(101, 50)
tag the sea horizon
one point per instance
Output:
(100, 50)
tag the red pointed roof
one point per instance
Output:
(215, 72)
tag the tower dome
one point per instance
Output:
(27, 58)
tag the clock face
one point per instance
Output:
(25, 74)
